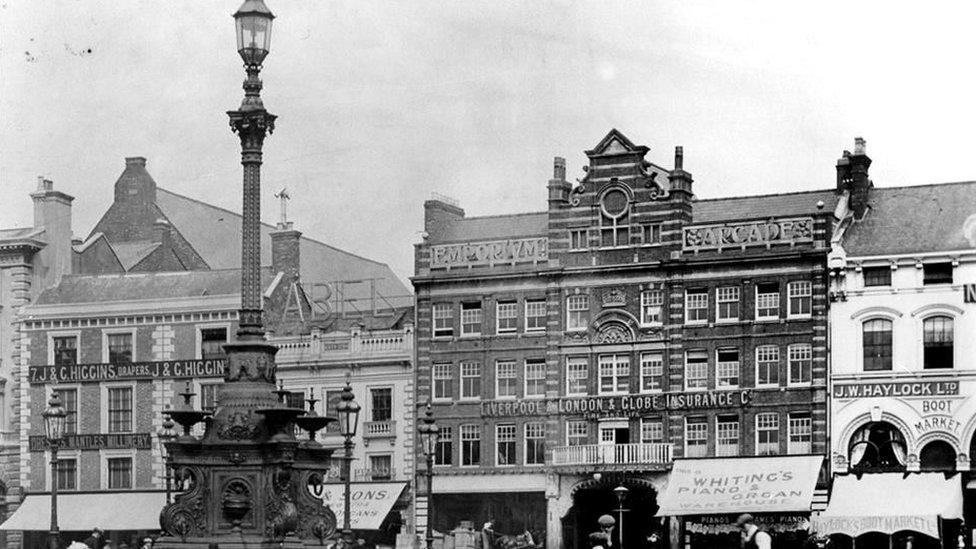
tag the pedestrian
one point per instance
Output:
(96, 540)
(752, 536)
(148, 542)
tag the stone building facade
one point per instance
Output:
(589, 346)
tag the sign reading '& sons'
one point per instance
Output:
(796, 230)
(471, 254)
(171, 369)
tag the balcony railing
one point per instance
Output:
(613, 454)
(379, 429)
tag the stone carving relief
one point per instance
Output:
(614, 333)
(282, 511)
(185, 516)
(614, 297)
(250, 366)
(237, 426)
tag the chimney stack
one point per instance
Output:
(438, 214)
(852, 176)
(52, 212)
(680, 179)
(559, 188)
(285, 250)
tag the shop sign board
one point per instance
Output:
(616, 406)
(472, 254)
(969, 293)
(93, 373)
(794, 230)
(896, 389)
(761, 484)
(769, 522)
(855, 526)
(95, 441)
(370, 502)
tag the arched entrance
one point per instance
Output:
(594, 498)
(877, 447)
(937, 455)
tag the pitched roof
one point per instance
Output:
(131, 253)
(717, 210)
(922, 218)
(493, 227)
(215, 234)
(141, 286)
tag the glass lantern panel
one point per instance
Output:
(254, 32)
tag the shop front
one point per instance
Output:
(892, 511)
(708, 495)
(374, 508)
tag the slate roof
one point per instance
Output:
(494, 227)
(140, 286)
(131, 253)
(922, 218)
(718, 210)
(215, 234)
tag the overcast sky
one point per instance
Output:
(381, 103)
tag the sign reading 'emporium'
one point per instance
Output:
(98, 441)
(75, 373)
(755, 233)
(896, 389)
(621, 405)
(471, 254)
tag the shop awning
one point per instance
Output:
(370, 502)
(888, 503)
(82, 512)
(738, 485)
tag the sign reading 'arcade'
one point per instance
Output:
(795, 230)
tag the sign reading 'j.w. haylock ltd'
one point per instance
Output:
(896, 389)
(81, 373)
(621, 405)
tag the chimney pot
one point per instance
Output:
(679, 156)
(559, 168)
(860, 146)
(135, 161)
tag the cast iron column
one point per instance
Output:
(54, 537)
(430, 499)
(347, 534)
(251, 123)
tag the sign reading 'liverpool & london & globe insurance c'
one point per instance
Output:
(93, 373)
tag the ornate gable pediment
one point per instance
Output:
(615, 143)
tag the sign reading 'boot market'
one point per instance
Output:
(500, 252)
(170, 369)
(796, 230)
(622, 405)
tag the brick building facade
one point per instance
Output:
(586, 347)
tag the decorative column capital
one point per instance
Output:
(252, 126)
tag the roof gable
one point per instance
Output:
(615, 143)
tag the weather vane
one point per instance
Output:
(283, 196)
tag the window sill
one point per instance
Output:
(506, 334)
(727, 388)
(696, 323)
(651, 325)
(469, 399)
(799, 317)
(727, 320)
(534, 397)
(470, 336)
(696, 389)
(768, 319)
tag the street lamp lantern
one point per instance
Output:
(253, 22)
(55, 419)
(429, 433)
(621, 493)
(348, 412)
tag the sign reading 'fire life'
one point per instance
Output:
(795, 230)
(500, 252)
(91, 373)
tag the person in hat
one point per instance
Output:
(96, 540)
(752, 536)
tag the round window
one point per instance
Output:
(615, 203)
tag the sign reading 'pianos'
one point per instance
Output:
(82, 373)
(500, 252)
(796, 230)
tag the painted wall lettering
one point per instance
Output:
(622, 405)
(969, 293)
(93, 373)
(896, 389)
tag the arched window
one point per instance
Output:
(937, 455)
(877, 446)
(937, 335)
(876, 338)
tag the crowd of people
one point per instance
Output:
(97, 540)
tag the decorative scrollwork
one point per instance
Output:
(576, 194)
(237, 426)
(185, 515)
(282, 512)
(315, 519)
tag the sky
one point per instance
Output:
(381, 103)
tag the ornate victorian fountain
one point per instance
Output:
(245, 482)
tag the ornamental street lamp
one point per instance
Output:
(166, 435)
(429, 432)
(54, 422)
(621, 492)
(348, 413)
(252, 123)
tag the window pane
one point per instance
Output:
(652, 431)
(470, 318)
(696, 437)
(877, 276)
(535, 443)
(767, 365)
(727, 301)
(767, 434)
(652, 371)
(576, 376)
(696, 370)
(937, 337)
(443, 314)
(67, 474)
(800, 430)
(470, 380)
(727, 368)
(120, 409)
(382, 403)
(767, 301)
(651, 301)
(65, 350)
(576, 433)
(443, 385)
(801, 363)
(212, 342)
(535, 315)
(470, 445)
(119, 348)
(69, 401)
(381, 467)
(577, 310)
(696, 306)
(876, 336)
(445, 446)
(119, 473)
(506, 382)
(535, 378)
(727, 436)
(505, 444)
(506, 317)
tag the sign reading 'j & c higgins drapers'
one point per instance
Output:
(471, 254)
(95, 441)
(896, 389)
(794, 230)
(621, 405)
(82, 373)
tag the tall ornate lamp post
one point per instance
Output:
(348, 412)
(252, 123)
(621, 492)
(429, 432)
(54, 422)
(166, 435)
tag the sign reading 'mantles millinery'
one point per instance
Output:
(95, 441)
(794, 230)
(522, 250)
(81, 373)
